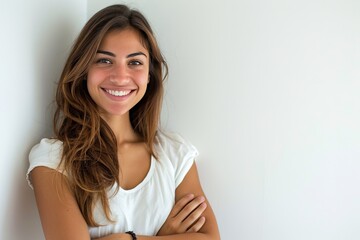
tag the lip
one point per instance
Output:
(112, 93)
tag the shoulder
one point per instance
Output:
(172, 141)
(47, 153)
(179, 153)
(46, 150)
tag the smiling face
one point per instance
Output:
(118, 77)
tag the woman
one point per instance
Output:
(110, 173)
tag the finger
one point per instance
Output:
(181, 204)
(194, 216)
(197, 226)
(190, 207)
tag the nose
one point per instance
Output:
(119, 74)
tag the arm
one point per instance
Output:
(191, 184)
(208, 226)
(61, 218)
(209, 229)
(59, 213)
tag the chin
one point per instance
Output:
(115, 112)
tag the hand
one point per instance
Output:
(185, 216)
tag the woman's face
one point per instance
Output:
(118, 77)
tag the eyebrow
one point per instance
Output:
(128, 56)
(106, 53)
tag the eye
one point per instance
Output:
(135, 62)
(103, 61)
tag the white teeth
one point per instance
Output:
(118, 93)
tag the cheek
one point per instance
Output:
(91, 85)
(142, 78)
(93, 79)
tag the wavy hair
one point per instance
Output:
(90, 149)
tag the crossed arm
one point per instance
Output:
(190, 218)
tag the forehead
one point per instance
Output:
(127, 38)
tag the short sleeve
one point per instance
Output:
(47, 153)
(180, 152)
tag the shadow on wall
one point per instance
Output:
(50, 40)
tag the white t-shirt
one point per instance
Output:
(144, 208)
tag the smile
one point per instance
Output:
(118, 93)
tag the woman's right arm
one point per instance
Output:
(59, 213)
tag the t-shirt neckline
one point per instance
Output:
(143, 182)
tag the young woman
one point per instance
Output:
(110, 173)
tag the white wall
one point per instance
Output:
(269, 93)
(35, 37)
(267, 90)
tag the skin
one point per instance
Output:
(122, 65)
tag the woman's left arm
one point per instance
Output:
(209, 229)
(191, 185)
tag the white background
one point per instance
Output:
(267, 91)
(35, 38)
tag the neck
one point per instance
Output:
(121, 127)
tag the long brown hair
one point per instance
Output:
(89, 146)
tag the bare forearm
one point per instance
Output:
(183, 236)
